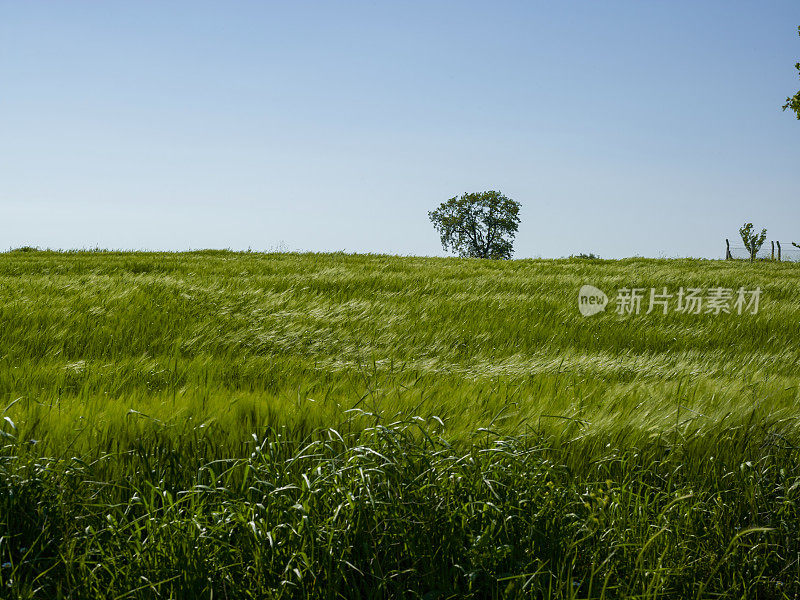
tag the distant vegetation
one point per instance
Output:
(752, 240)
(478, 225)
(349, 426)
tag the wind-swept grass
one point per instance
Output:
(216, 424)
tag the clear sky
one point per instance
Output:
(646, 128)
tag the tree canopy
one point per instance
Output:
(478, 225)
(752, 240)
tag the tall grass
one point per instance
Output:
(218, 424)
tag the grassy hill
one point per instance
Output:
(303, 425)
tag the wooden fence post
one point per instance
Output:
(773, 251)
(779, 251)
(727, 249)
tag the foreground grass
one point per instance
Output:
(397, 511)
(237, 425)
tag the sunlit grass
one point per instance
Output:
(434, 426)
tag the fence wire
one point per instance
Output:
(789, 253)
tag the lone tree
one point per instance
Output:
(752, 240)
(793, 103)
(478, 225)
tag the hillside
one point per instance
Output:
(298, 424)
(295, 339)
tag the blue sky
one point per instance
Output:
(624, 128)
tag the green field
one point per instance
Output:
(233, 425)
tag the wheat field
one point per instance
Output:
(216, 424)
